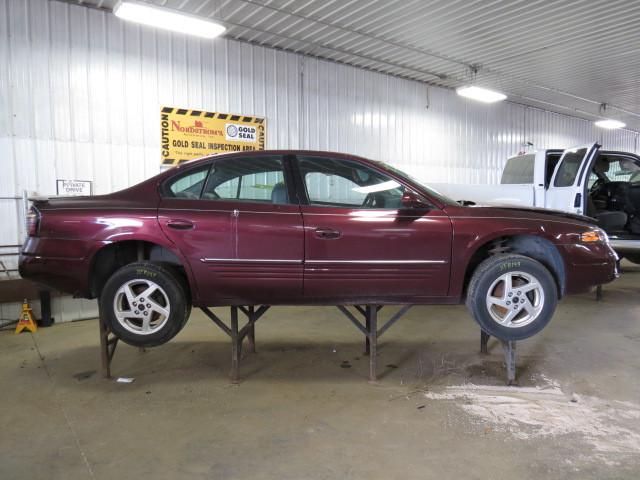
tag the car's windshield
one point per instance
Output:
(405, 176)
(614, 168)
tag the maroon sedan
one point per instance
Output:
(302, 227)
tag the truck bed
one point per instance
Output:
(521, 195)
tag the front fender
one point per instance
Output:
(472, 235)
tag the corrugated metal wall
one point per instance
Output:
(80, 93)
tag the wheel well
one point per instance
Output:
(116, 255)
(538, 248)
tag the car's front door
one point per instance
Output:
(241, 231)
(567, 190)
(360, 242)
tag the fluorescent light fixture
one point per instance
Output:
(481, 94)
(167, 19)
(610, 124)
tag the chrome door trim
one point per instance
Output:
(315, 262)
(230, 211)
(249, 260)
(378, 262)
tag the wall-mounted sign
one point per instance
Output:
(188, 134)
(73, 187)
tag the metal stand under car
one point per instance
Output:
(237, 336)
(509, 349)
(369, 327)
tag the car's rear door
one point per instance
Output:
(359, 240)
(567, 190)
(242, 233)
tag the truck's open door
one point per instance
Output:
(568, 190)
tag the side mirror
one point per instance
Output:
(413, 201)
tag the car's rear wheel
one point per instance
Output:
(512, 297)
(145, 304)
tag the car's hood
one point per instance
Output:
(529, 212)
(547, 211)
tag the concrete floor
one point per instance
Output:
(304, 409)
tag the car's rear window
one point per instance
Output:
(519, 170)
(187, 185)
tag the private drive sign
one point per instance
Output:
(73, 187)
(188, 134)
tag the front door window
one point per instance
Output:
(339, 183)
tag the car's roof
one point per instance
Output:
(273, 152)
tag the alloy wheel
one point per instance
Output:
(515, 299)
(141, 306)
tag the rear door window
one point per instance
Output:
(252, 179)
(550, 167)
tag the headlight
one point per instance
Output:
(594, 236)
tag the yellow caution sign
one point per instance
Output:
(26, 319)
(187, 134)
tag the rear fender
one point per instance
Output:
(160, 241)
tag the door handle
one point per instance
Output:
(327, 233)
(180, 224)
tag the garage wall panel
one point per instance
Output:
(80, 93)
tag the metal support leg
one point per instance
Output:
(509, 349)
(484, 340)
(46, 320)
(510, 360)
(372, 337)
(370, 329)
(104, 350)
(598, 293)
(107, 347)
(367, 342)
(237, 334)
(251, 334)
(235, 345)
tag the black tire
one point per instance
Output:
(181, 277)
(168, 291)
(542, 299)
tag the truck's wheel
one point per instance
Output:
(512, 297)
(144, 304)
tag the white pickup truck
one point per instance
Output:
(604, 185)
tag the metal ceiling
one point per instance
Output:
(568, 56)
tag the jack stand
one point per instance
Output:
(509, 349)
(598, 293)
(371, 331)
(108, 343)
(238, 335)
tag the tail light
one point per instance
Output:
(32, 222)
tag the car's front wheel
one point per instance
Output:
(512, 297)
(145, 304)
